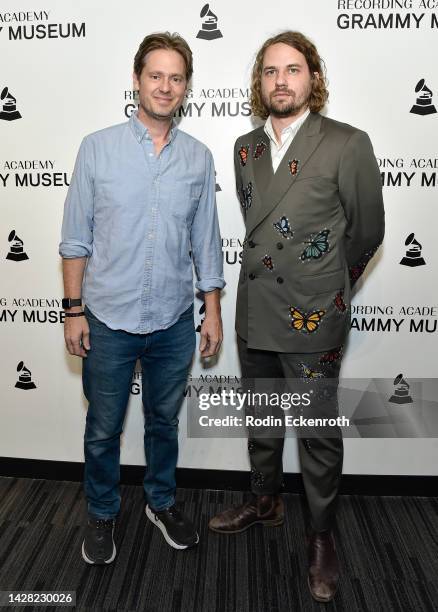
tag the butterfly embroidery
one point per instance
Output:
(304, 322)
(339, 302)
(310, 374)
(259, 150)
(247, 196)
(318, 245)
(243, 154)
(293, 166)
(282, 226)
(331, 356)
(267, 262)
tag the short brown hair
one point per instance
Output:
(319, 93)
(164, 40)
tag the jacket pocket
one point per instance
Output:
(322, 283)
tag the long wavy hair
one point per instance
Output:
(319, 93)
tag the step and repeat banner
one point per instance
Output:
(66, 71)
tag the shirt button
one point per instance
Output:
(280, 280)
(251, 244)
(279, 246)
(251, 276)
(150, 236)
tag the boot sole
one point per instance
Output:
(162, 528)
(274, 523)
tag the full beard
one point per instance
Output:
(290, 108)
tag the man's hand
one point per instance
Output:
(77, 335)
(211, 335)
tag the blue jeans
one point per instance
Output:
(165, 358)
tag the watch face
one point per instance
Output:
(66, 302)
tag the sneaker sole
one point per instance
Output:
(275, 523)
(162, 528)
(90, 562)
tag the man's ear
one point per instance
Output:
(135, 82)
(316, 75)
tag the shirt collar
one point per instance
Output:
(290, 129)
(140, 131)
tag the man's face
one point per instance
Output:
(162, 83)
(286, 81)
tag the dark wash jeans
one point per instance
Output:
(107, 372)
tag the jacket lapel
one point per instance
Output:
(303, 145)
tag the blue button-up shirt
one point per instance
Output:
(141, 219)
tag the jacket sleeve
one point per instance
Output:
(360, 190)
(238, 175)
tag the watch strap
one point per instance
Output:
(70, 302)
(74, 314)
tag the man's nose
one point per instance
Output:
(165, 85)
(280, 80)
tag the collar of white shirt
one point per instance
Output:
(287, 133)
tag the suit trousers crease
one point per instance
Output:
(320, 457)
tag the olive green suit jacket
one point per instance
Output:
(311, 229)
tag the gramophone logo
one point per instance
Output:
(25, 378)
(209, 29)
(201, 313)
(8, 107)
(16, 251)
(413, 257)
(401, 391)
(423, 104)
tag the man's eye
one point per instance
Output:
(293, 70)
(269, 72)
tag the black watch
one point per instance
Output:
(70, 302)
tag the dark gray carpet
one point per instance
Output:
(388, 548)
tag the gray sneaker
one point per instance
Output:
(98, 547)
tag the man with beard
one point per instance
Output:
(311, 195)
(140, 207)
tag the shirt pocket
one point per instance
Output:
(184, 200)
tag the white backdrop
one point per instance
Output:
(69, 65)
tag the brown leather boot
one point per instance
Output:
(323, 573)
(265, 509)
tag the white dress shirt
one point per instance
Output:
(287, 135)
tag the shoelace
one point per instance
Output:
(104, 524)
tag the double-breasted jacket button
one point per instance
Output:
(251, 276)
(279, 245)
(280, 280)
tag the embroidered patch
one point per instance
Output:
(257, 478)
(283, 227)
(293, 166)
(305, 322)
(243, 154)
(309, 374)
(339, 302)
(331, 356)
(246, 200)
(267, 262)
(260, 149)
(357, 270)
(317, 246)
(251, 446)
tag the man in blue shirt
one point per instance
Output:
(140, 208)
